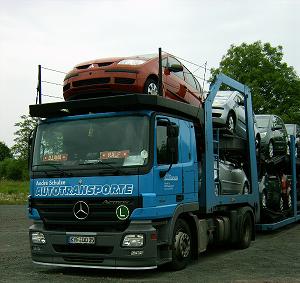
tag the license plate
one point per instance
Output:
(82, 240)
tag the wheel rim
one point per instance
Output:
(271, 150)
(231, 123)
(182, 244)
(152, 89)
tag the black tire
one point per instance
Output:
(181, 245)
(231, 122)
(245, 232)
(151, 87)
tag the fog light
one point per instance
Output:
(137, 253)
(38, 238)
(133, 240)
(37, 248)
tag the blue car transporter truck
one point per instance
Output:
(130, 182)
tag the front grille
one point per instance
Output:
(57, 214)
(91, 82)
(82, 249)
(104, 64)
(125, 81)
(83, 67)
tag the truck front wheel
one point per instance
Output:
(181, 245)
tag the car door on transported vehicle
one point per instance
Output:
(174, 81)
(230, 178)
(239, 109)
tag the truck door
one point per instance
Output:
(188, 159)
(169, 186)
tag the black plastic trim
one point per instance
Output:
(116, 104)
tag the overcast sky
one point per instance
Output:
(60, 34)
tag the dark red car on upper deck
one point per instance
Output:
(137, 74)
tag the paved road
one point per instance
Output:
(273, 257)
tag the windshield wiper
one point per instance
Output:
(96, 162)
(56, 166)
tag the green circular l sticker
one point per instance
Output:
(122, 212)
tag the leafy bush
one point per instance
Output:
(13, 169)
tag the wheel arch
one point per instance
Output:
(232, 112)
(152, 76)
(184, 212)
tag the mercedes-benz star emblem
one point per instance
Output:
(81, 210)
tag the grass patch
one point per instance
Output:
(13, 192)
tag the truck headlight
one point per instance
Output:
(38, 238)
(133, 240)
(132, 62)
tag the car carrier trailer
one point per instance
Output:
(164, 206)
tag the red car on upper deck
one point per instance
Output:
(137, 74)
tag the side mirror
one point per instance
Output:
(172, 147)
(29, 147)
(175, 68)
(172, 131)
(172, 141)
(241, 103)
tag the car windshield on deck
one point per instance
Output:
(262, 121)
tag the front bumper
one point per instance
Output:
(89, 83)
(107, 252)
(219, 116)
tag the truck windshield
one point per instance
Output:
(121, 141)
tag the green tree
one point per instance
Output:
(25, 128)
(275, 86)
(4, 151)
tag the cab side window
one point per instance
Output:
(274, 121)
(164, 156)
(173, 61)
(161, 145)
(279, 122)
(198, 85)
(189, 78)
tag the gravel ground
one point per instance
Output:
(273, 257)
